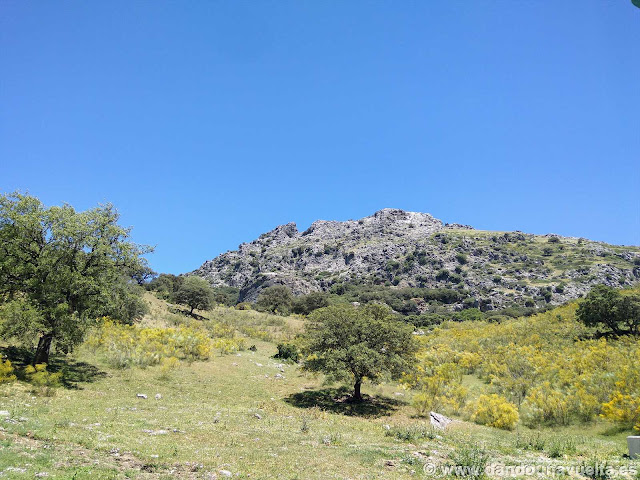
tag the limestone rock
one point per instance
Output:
(411, 249)
(439, 421)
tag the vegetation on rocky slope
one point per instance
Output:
(394, 249)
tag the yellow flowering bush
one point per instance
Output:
(6, 371)
(495, 411)
(438, 383)
(128, 345)
(45, 382)
(229, 345)
(548, 365)
(624, 405)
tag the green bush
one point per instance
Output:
(44, 382)
(471, 462)
(412, 433)
(275, 299)
(288, 351)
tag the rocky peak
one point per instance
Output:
(399, 248)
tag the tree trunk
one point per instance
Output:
(357, 396)
(191, 312)
(44, 347)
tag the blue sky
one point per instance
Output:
(207, 123)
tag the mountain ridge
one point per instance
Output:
(399, 248)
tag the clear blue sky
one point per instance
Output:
(207, 123)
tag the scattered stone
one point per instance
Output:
(258, 416)
(141, 395)
(226, 473)
(398, 394)
(389, 463)
(158, 396)
(4, 413)
(279, 375)
(41, 474)
(386, 427)
(439, 421)
(258, 364)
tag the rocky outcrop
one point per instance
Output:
(410, 249)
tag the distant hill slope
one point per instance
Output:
(409, 249)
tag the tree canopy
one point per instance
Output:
(194, 292)
(354, 343)
(275, 299)
(60, 269)
(607, 307)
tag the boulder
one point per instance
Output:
(439, 421)
(634, 447)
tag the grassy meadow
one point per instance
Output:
(230, 410)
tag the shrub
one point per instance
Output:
(606, 307)
(229, 345)
(6, 371)
(124, 346)
(469, 462)
(243, 306)
(546, 405)
(275, 299)
(438, 383)
(462, 258)
(411, 433)
(306, 304)
(45, 382)
(495, 411)
(288, 351)
(623, 409)
(167, 365)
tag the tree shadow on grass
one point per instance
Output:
(177, 310)
(73, 372)
(338, 400)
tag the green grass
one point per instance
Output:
(232, 413)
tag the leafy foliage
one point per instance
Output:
(6, 371)
(305, 304)
(44, 382)
(288, 351)
(606, 307)
(275, 299)
(347, 342)
(194, 292)
(63, 268)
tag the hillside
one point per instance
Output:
(239, 413)
(490, 270)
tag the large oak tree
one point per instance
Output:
(353, 343)
(60, 269)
